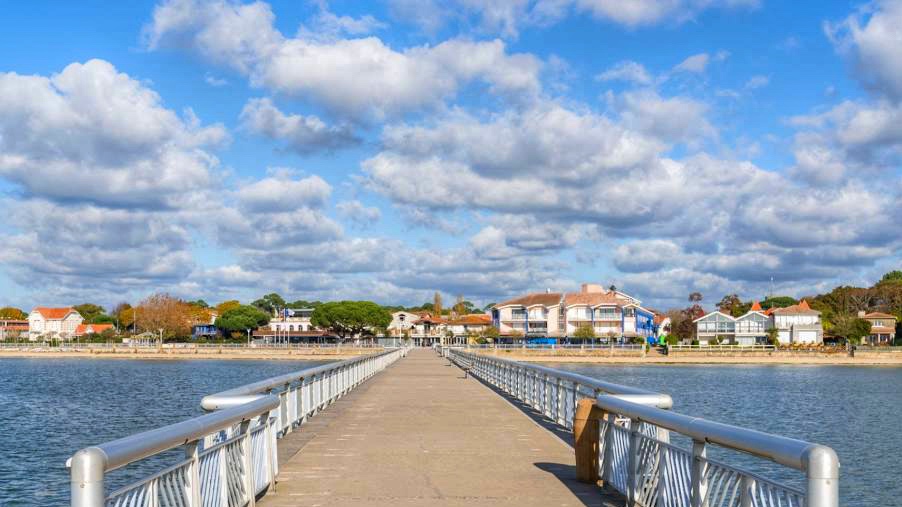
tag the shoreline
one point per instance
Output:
(190, 354)
(894, 360)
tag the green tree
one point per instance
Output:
(124, 315)
(777, 302)
(773, 335)
(11, 313)
(349, 318)
(242, 318)
(200, 303)
(300, 303)
(91, 312)
(584, 332)
(269, 303)
(851, 328)
(728, 302)
(892, 276)
(490, 334)
(488, 307)
(225, 306)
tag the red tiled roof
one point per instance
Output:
(429, 318)
(538, 298)
(54, 313)
(756, 307)
(95, 328)
(472, 319)
(799, 309)
(592, 298)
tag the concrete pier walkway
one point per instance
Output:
(419, 433)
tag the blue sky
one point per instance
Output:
(385, 150)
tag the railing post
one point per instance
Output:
(697, 474)
(585, 440)
(632, 482)
(86, 476)
(249, 487)
(822, 466)
(192, 490)
(607, 470)
(747, 491)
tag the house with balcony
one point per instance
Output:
(883, 328)
(536, 315)
(611, 314)
(53, 323)
(748, 329)
(460, 327)
(292, 319)
(798, 324)
(402, 323)
(428, 330)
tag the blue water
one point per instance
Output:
(855, 410)
(50, 408)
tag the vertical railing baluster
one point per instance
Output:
(747, 491)
(248, 476)
(697, 474)
(632, 471)
(192, 488)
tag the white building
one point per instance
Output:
(401, 322)
(610, 313)
(748, 329)
(798, 324)
(291, 319)
(58, 323)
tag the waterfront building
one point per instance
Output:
(462, 326)
(798, 324)
(883, 328)
(291, 319)
(611, 314)
(11, 329)
(428, 330)
(86, 329)
(58, 323)
(748, 329)
(402, 322)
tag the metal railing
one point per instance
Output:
(635, 454)
(231, 455)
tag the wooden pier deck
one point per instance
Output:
(420, 433)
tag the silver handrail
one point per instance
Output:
(249, 392)
(635, 452)
(597, 386)
(239, 460)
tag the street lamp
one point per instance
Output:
(248, 337)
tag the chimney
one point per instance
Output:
(591, 288)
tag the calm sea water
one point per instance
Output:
(50, 408)
(855, 410)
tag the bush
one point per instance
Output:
(671, 340)
(695, 342)
(714, 340)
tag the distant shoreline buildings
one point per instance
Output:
(592, 313)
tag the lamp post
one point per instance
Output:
(248, 337)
